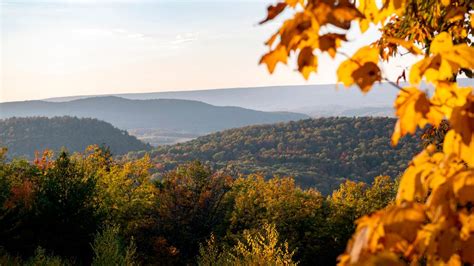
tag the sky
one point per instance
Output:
(54, 48)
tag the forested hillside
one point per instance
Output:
(24, 136)
(317, 152)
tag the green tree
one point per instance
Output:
(109, 249)
(259, 247)
(299, 215)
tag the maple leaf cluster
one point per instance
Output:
(432, 220)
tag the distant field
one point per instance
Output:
(157, 137)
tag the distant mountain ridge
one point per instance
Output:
(164, 114)
(313, 100)
(25, 136)
(274, 98)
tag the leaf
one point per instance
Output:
(413, 110)
(293, 3)
(340, 15)
(366, 76)
(411, 183)
(271, 40)
(447, 60)
(369, 232)
(371, 11)
(453, 144)
(273, 57)
(307, 62)
(460, 139)
(330, 42)
(345, 13)
(463, 186)
(404, 220)
(299, 32)
(448, 95)
(361, 69)
(274, 11)
(434, 68)
(460, 56)
(442, 42)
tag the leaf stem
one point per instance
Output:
(394, 84)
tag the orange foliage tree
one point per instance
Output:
(432, 220)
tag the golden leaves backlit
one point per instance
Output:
(432, 220)
(274, 57)
(446, 60)
(361, 69)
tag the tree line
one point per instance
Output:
(92, 208)
(26, 135)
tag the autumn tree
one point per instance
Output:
(350, 202)
(49, 204)
(126, 194)
(260, 247)
(433, 219)
(299, 215)
(188, 208)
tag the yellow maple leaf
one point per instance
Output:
(273, 57)
(371, 13)
(442, 42)
(412, 184)
(393, 7)
(360, 69)
(299, 32)
(330, 42)
(369, 232)
(404, 220)
(433, 68)
(453, 144)
(273, 11)
(448, 95)
(460, 139)
(307, 62)
(446, 60)
(463, 186)
(293, 3)
(413, 110)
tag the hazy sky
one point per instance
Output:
(75, 47)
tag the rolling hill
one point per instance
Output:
(160, 121)
(317, 152)
(165, 114)
(24, 136)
